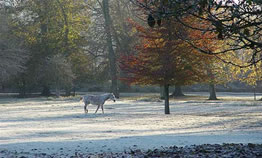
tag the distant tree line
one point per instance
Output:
(62, 44)
(65, 45)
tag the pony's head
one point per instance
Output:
(112, 97)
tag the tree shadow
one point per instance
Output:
(122, 144)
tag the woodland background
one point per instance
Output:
(63, 46)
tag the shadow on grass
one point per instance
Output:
(122, 144)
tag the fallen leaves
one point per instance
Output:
(204, 150)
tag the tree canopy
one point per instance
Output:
(165, 59)
(238, 21)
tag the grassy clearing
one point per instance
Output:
(135, 120)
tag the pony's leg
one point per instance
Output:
(98, 106)
(86, 110)
(102, 107)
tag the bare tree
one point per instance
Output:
(112, 57)
(109, 36)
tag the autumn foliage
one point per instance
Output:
(165, 57)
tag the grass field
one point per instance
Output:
(58, 126)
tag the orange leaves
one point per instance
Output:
(204, 40)
(163, 57)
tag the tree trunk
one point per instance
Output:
(166, 89)
(162, 93)
(67, 91)
(212, 92)
(112, 57)
(66, 28)
(57, 92)
(178, 91)
(3, 87)
(22, 89)
(46, 91)
(255, 94)
(74, 91)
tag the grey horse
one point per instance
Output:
(98, 100)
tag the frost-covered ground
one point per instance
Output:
(60, 127)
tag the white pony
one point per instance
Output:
(98, 100)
